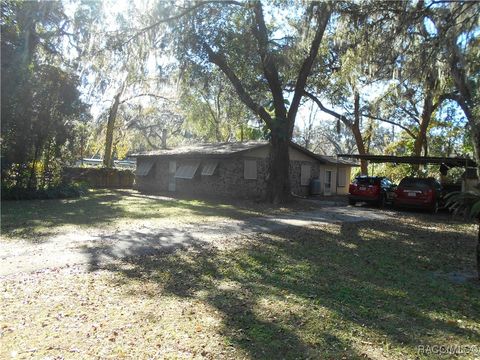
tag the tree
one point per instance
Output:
(116, 69)
(455, 33)
(360, 56)
(352, 124)
(211, 108)
(154, 124)
(324, 136)
(40, 99)
(218, 33)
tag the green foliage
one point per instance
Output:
(465, 203)
(40, 96)
(59, 191)
(212, 110)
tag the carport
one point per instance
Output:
(445, 163)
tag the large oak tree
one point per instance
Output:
(261, 58)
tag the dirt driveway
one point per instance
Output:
(97, 246)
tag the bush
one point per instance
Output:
(60, 191)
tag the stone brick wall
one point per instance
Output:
(227, 180)
(157, 178)
(295, 176)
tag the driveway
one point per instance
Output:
(96, 247)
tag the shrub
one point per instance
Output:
(60, 191)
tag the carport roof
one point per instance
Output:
(448, 161)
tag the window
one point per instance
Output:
(305, 175)
(187, 171)
(342, 177)
(250, 169)
(144, 165)
(209, 168)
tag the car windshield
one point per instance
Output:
(367, 181)
(417, 183)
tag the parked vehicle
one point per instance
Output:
(419, 193)
(371, 189)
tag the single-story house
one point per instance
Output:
(236, 169)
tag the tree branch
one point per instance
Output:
(460, 101)
(407, 130)
(145, 94)
(269, 68)
(325, 13)
(221, 62)
(447, 96)
(178, 16)
(340, 117)
(409, 113)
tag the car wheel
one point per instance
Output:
(351, 202)
(395, 206)
(383, 201)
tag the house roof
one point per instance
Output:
(231, 148)
(334, 160)
(207, 149)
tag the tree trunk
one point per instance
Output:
(424, 123)
(357, 134)
(32, 181)
(475, 128)
(478, 251)
(278, 181)
(361, 148)
(46, 165)
(112, 116)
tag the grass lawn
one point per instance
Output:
(100, 208)
(341, 291)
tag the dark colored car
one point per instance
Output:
(371, 189)
(419, 193)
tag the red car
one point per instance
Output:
(420, 193)
(371, 189)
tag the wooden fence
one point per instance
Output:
(101, 177)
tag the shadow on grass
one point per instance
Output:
(322, 292)
(34, 219)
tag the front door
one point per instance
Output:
(172, 169)
(327, 188)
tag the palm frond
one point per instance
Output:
(466, 203)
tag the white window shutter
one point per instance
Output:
(305, 173)
(250, 169)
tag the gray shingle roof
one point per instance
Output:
(207, 149)
(339, 161)
(226, 149)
